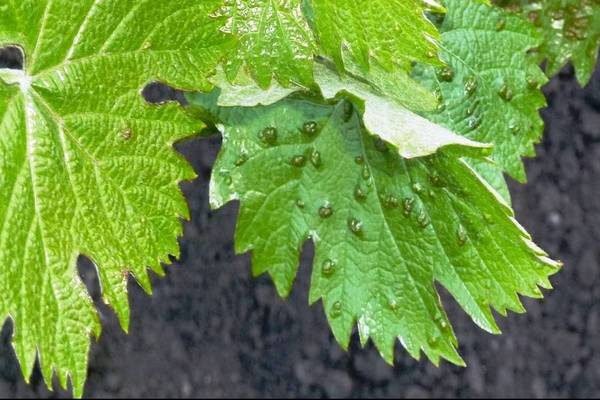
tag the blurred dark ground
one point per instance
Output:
(210, 330)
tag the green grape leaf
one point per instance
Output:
(383, 108)
(242, 91)
(385, 228)
(571, 31)
(492, 174)
(397, 86)
(86, 165)
(489, 91)
(274, 39)
(384, 116)
(394, 33)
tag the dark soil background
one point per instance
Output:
(211, 330)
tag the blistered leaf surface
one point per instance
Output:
(383, 107)
(412, 135)
(570, 28)
(489, 91)
(385, 228)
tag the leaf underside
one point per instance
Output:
(384, 116)
(86, 166)
(385, 229)
(384, 109)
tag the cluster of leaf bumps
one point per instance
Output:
(380, 130)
